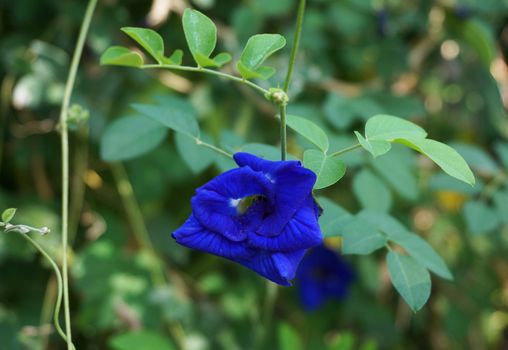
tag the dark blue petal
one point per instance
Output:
(301, 232)
(323, 275)
(193, 235)
(277, 267)
(311, 295)
(212, 204)
(293, 185)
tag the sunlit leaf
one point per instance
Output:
(443, 155)
(121, 56)
(149, 39)
(8, 215)
(258, 48)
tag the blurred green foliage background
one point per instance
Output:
(441, 64)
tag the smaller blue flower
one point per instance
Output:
(323, 275)
(261, 215)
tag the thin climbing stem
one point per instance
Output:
(58, 275)
(283, 132)
(296, 43)
(345, 150)
(207, 71)
(71, 78)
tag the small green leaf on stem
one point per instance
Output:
(8, 215)
(121, 56)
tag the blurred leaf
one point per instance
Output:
(343, 341)
(397, 168)
(479, 36)
(443, 182)
(415, 246)
(360, 237)
(477, 158)
(198, 158)
(175, 116)
(130, 137)
(443, 155)
(121, 56)
(258, 48)
(502, 152)
(140, 340)
(480, 218)
(8, 215)
(333, 219)
(309, 130)
(501, 202)
(329, 170)
(288, 338)
(411, 280)
(371, 192)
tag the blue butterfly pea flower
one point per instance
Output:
(323, 275)
(261, 215)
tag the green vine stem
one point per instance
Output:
(345, 150)
(58, 275)
(208, 71)
(64, 135)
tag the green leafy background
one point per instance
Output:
(441, 65)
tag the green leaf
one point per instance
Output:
(175, 58)
(361, 237)
(410, 279)
(198, 158)
(501, 201)
(309, 130)
(334, 217)
(149, 39)
(121, 56)
(259, 47)
(222, 58)
(477, 158)
(263, 72)
(443, 155)
(130, 137)
(328, 170)
(201, 35)
(502, 152)
(480, 218)
(480, 37)
(398, 169)
(288, 338)
(371, 192)
(374, 147)
(414, 245)
(8, 214)
(388, 128)
(140, 340)
(175, 116)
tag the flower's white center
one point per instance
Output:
(234, 202)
